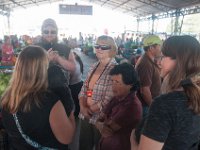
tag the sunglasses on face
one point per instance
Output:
(49, 32)
(102, 47)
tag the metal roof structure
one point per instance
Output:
(136, 8)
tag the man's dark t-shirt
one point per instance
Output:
(171, 122)
(58, 78)
(58, 83)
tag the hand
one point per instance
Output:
(52, 55)
(99, 125)
(87, 113)
(95, 108)
(106, 131)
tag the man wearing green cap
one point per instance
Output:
(148, 71)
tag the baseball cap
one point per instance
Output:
(151, 40)
(49, 22)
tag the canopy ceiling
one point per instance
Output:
(131, 7)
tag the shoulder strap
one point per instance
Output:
(27, 138)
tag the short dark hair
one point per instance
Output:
(129, 75)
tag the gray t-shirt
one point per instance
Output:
(171, 121)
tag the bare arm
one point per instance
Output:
(68, 64)
(134, 144)
(84, 109)
(146, 94)
(63, 127)
(149, 144)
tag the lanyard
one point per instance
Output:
(88, 81)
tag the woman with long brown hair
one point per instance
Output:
(173, 121)
(33, 116)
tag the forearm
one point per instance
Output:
(146, 95)
(72, 125)
(150, 144)
(96, 107)
(67, 64)
(84, 109)
(82, 102)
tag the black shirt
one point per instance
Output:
(34, 124)
(171, 122)
(58, 77)
(58, 83)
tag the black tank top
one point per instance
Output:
(35, 124)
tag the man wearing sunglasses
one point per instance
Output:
(62, 62)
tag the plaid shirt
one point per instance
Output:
(102, 90)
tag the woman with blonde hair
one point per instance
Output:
(96, 91)
(34, 117)
(173, 121)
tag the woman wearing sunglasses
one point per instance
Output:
(173, 121)
(96, 91)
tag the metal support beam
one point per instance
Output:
(8, 19)
(135, 10)
(121, 4)
(35, 2)
(176, 25)
(156, 5)
(5, 11)
(153, 19)
(182, 12)
(138, 24)
(105, 2)
(4, 8)
(17, 4)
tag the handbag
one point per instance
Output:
(28, 139)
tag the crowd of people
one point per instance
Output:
(151, 104)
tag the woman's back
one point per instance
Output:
(34, 124)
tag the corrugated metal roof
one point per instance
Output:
(131, 7)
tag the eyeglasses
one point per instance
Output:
(102, 47)
(159, 58)
(49, 32)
